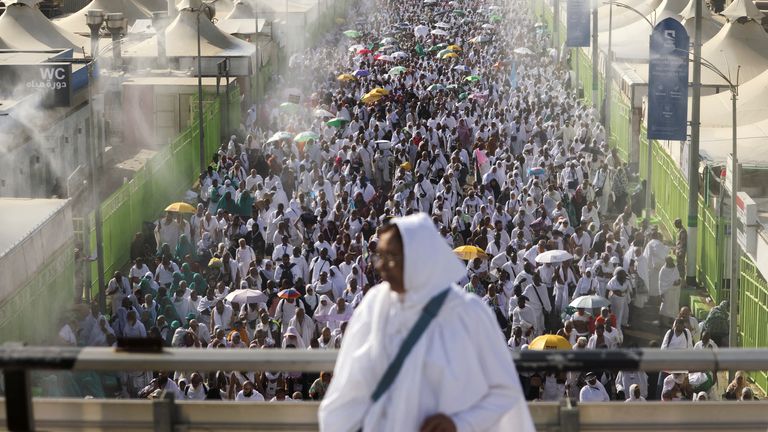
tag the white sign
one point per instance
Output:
(746, 215)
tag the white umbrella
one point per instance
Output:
(246, 296)
(322, 113)
(421, 31)
(523, 50)
(399, 55)
(386, 58)
(553, 257)
(383, 144)
(356, 48)
(388, 41)
(443, 24)
(439, 32)
(590, 302)
(488, 26)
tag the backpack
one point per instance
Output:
(288, 274)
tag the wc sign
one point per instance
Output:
(52, 79)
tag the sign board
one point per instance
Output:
(729, 173)
(668, 82)
(578, 23)
(747, 221)
(53, 80)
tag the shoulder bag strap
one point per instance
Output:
(429, 313)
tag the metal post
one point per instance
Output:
(608, 79)
(201, 131)
(733, 337)
(226, 97)
(18, 401)
(693, 153)
(595, 52)
(92, 148)
(556, 27)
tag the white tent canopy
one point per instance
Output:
(751, 105)
(241, 10)
(130, 9)
(709, 25)
(181, 40)
(742, 8)
(623, 17)
(752, 141)
(154, 5)
(632, 41)
(24, 27)
(736, 44)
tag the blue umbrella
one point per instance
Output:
(361, 73)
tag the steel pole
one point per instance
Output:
(594, 57)
(95, 202)
(733, 337)
(201, 130)
(693, 150)
(608, 79)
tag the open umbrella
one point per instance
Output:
(454, 48)
(480, 39)
(436, 87)
(361, 73)
(459, 12)
(488, 26)
(386, 48)
(397, 70)
(356, 47)
(385, 58)
(450, 55)
(352, 34)
(246, 296)
(346, 77)
(438, 47)
(280, 136)
(336, 122)
(399, 55)
(388, 41)
(290, 293)
(553, 257)
(322, 113)
(522, 50)
(379, 91)
(180, 207)
(371, 98)
(442, 53)
(306, 136)
(469, 252)
(549, 342)
(495, 18)
(461, 68)
(364, 51)
(590, 302)
(452, 87)
(421, 31)
(289, 107)
(439, 32)
(472, 78)
(442, 24)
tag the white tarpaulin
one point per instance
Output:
(751, 104)
(623, 17)
(131, 10)
(736, 44)
(23, 27)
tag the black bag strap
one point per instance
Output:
(429, 313)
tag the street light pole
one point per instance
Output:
(201, 131)
(693, 150)
(608, 78)
(595, 52)
(733, 338)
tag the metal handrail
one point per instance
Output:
(23, 358)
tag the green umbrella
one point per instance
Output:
(397, 70)
(441, 53)
(436, 87)
(438, 47)
(459, 12)
(336, 122)
(352, 34)
(463, 96)
(306, 136)
(495, 18)
(452, 87)
(289, 107)
(472, 78)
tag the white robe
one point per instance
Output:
(670, 302)
(476, 387)
(654, 253)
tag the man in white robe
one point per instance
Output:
(654, 253)
(478, 389)
(619, 287)
(669, 287)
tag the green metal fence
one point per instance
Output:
(753, 313)
(670, 189)
(710, 255)
(161, 181)
(621, 122)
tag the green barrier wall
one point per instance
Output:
(161, 181)
(33, 314)
(753, 298)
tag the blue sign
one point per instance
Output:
(668, 82)
(578, 23)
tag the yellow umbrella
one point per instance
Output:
(549, 342)
(180, 207)
(450, 56)
(346, 77)
(371, 98)
(379, 91)
(469, 252)
(406, 166)
(454, 48)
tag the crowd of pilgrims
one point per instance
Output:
(491, 142)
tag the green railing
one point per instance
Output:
(161, 181)
(621, 123)
(753, 313)
(710, 255)
(670, 188)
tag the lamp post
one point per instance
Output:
(201, 131)
(94, 19)
(693, 148)
(649, 165)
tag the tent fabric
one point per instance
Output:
(154, 5)
(241, 10)
(709, 26)
(131, 10)
(26, 28)
(736, 44)
(181, 40)
(742, 8)
(631, 41)
(623, 17)
(716, 144)
(750, 108)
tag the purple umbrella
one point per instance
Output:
(361, 73)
